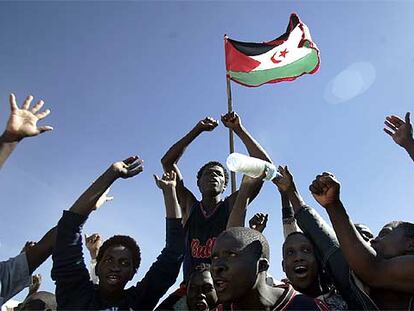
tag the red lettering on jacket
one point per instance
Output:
(202, 251)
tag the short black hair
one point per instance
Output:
(249, 236)
(211, 164)
(294, 233)
(199, 269)
(125, 241)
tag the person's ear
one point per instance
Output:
(283, 266)
(263, 264)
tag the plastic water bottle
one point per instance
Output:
(250, 166)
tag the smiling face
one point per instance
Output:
(201, 294)
(115, 269)
(212, 180)
(234, 267)
(299, 262)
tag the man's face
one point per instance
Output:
(299, 262)
(390, 242)
(234, 268)
(201, 294)
(115, 268)
(212, 180)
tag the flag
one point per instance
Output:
(283, 59)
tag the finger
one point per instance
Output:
(130, 160)
(156, 178)
(12, 101)
(43, 114)
(395, 119)
(173, 175)
(135, 171)
(135, 164)
(266, 218)
(45, 128)
(315, 189)
(388, 132)
(38, 106)
(407, 118)
(27, 102)
(390, 125)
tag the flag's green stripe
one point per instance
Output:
(255, 78)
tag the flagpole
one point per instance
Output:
(231, 134)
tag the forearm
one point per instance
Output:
(37, 254)
(288, 216)
(238, 213)
(85, 204)
(172, 208)
(359, 255)
(7, 145)
(173, 154)
(253, 147)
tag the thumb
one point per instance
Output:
(407, 118)
(45, 128)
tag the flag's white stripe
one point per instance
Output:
(291, 45)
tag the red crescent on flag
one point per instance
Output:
(274, 60)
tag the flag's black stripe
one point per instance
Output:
(253, 49)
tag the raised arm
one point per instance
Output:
(232, 121)
(395, 273)
(164, 271)
(401, 132)
(170, 160)
(168, 184)
(74, 290)
(22, 123)
(40, 251)
(248, 188)
(285, 184)
(87, 202)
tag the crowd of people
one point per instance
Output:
(225, 264)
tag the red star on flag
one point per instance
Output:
(283, 53)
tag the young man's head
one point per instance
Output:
(212, 178)
(117, 262)
(300, 263)
(395, 239)
(39, 301)
(240, 256)
(201, 294)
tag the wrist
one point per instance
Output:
(8, 137)
(333, 205)
(112, 173)
(408, 145)
(239, 129)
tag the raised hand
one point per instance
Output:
(168, 181)
(231, 120)
(284, 181)
(36, 282)
(93, 244)
(128, 168)
(207, 124)
(258, 222)
(27, 245)
(23, 122)
(103, 199)
(325, 189)
(400, 131)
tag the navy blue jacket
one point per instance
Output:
(75, 291)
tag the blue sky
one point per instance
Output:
(124, 78)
